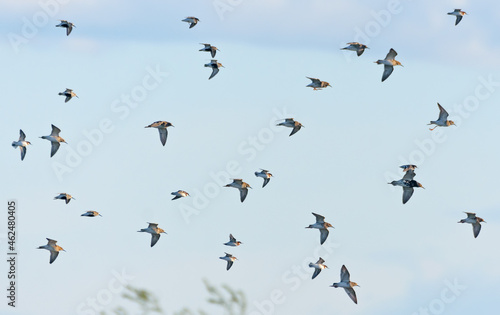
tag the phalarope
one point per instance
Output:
(212, 49)
(357, 47)
(389, 62)
(289, 122)
(191, 20)
(233, 241)
(69, 94)
(162, 129)
(322, 226)
(67, 25)
(64, 196)
(442, 119)
(475, 221)
(53, 248)
(215, 67)
(265, 175)
(155, 232)
(230, 259)
(408, 183)
(347, 284)
(317, 84)
(459, 14)
(179, 194)
(91, 214)
(21, 143)
(54, 139)
(318, 266)
(241, 186)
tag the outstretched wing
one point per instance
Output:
(407, 192)
(243, 193)
(163, 135)
(53, 256)
(443, 114)
(387, 72)
(409, 174)
(459, 18)
(476, 228)
(314, 80)
(266, 180)
(391, 54)
(295, 129)
(55, 131)
(154, 239)
(229, 264)
(323, 235)
(22, 136)
(316, 272)
(344, 274)
(23, 152)
(352, 294)
(215, 70)
(54, 148)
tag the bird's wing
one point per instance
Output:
(266, 180)
(153, 225)
(69, 29)
(22, 136)
(323, 235)
(295, 129)
(320, 261)
(409, 174)
(68, 97)
(360, 51)
(352, 294)
(23, 152)
(476, 228)
(163, 135)
(391, 54)
(443, 114)
(471, 215)
(51, 242)
(229, 264)
(319, 218)
(55, 131)
(53, 255)
(214, 72)
(213, 51)
(344, 274)
(243, 193)
(176, 197)
(459, 18)
(154, 239)
(238, 181)
(316, 272)
(54, 148)
(314, 80)
(407, 192)
(387, 72)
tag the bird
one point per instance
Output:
(53, 248)
(155, 232)
(475, 221)
(54, 139)
(191, 20)
(318, 266)
(289, 122)
(69, 94)
(317, 84)
(242, 187)
(265, 175)
(442, 120)
(91, 214)
(459, 14)
(21, 143)
(233, 241)
(322, 226)
(408, 167)
(408, 183)
(215, 67)
(210, 48)
(179, 194)
(67, 25)
(389, 62)
(346, 284)
(162, 128)
(230, 259)
(357, 47)
(64, 196)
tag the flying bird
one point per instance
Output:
(318, 266)
(408, 183)
(289, 122)
(54, 139)
(191, 20)
(459, 14)
(241, 186)
(389, 62)
(442, 120)
(67, 25)
(21, 143)
(91, 214)
(179, 194)
(233, 241)
(230, 259)
(265, 175)
(346, 284)
(357, 47)
(322, 226)
(155, 232)
(317, 84)
(475, 221)
(53, 248)
(69, 94)
(215, 67)
(210, 48)
(64, 196)
(162, 129)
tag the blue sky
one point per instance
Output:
(406, 258)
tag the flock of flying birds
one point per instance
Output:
(407, 182)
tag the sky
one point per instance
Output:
(132, 63)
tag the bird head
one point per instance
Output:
(398, 63)
(27, 142)
(451, 122)
(354, 284)
(480, 220)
